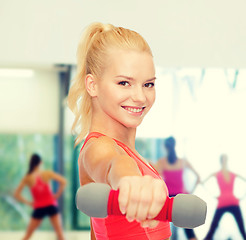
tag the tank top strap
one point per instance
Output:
(91, 135)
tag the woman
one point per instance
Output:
(172, 169)
(227, 202)
(44, 201)
(112, 92)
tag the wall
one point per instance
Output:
(181, 33)
(29, 104)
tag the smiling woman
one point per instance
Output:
(112, 92)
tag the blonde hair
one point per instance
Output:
(93, 48)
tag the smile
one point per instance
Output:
(134, 109)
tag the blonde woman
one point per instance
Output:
(112, 92)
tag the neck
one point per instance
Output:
(224, 168)
(115, 130)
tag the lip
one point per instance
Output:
(136, 111)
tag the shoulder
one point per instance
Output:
(101, 146)
(183, 161)
(162, 161)
(25, 179)
(99, 156)
(47, 174)
(98, 151)
(233, 174)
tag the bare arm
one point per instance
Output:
(140, 197)
(105, 163)
(187, 164)
(61, 180)
(242, 178)
(17, 194)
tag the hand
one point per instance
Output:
(141, 198)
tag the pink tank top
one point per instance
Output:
(226, 197)
(42, 194)
(117, 227)
(174, 181)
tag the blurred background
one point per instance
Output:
(200, 56)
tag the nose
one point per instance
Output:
(138, 94)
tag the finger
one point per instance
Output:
(159, 198)
(144, 204)
(153, 223)
(124, 191)
(149, 223)
(145, 200)
(134, 199)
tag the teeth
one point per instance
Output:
(136, 110)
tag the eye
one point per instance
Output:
(124, 83)
(149, 85)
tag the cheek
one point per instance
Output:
(111, 97)
(151, 98)
(118, 96)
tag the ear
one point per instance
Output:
(90, 84)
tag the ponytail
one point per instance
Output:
(171, 153)
(33, 163)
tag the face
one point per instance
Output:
(224, 160)
(126, 90)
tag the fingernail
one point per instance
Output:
(144, 225)
(130, 219)
(123, 210)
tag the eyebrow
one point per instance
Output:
(131, 78)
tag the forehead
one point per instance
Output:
(130, 62)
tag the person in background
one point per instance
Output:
(171, 168)
(112, 92)
(43, 200)
(227, 202)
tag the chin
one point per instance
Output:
(132, 125)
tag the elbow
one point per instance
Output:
(16, 196)
(64, 182)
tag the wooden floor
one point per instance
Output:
(38, 235)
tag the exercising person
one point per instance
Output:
(44, 201)
(227, 202)
(113, 90)
(172, 169)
